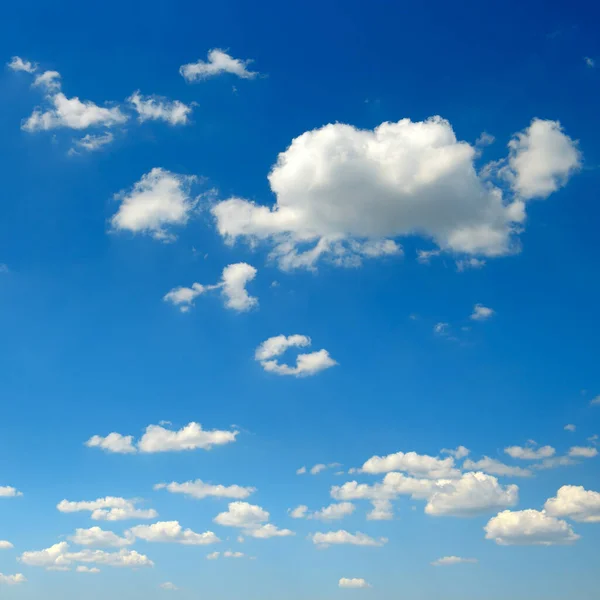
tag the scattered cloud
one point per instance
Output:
(252, 519)
(172, 532)
(583, 452)
(108, 509)
(485, 139)
(218, 62)
(495, 467)
(301, 471)
(9, 492)
(576, 503)
(159, 439)
(198, 489)
(333, 512)
(158, 201)
(595, 401)
(168, 585)
(529, 453)
(99, 538)
(481, 313)
(469, 263)
(353, 583)
(12, 579)
(92, 143)
(420, 465)
(157, 108)
(528, 527)
(19, 64)
(570, 427)
(306, 364)
(5, 545)
(226, 554)
(300, 512)
(425, 256)
(554, 462)
(89, 570)
(590, 62)
(442, 329)
(458, 453)
(452, 560)
(344, 537)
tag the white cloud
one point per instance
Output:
(353, 583)
(301, 471)
(159, 439)
(213, 556)
(495, 467)
(99, 538)
(48, 80)
(343, 194)
(230, 554)
(218, 62)
(108, 509)
(425, 256)
(441, 329)
(553, 462)
(595, 401)
(469, 263)
(5, 545)
(485, 139)
(452, 560)
(333, 512)
(459, 453)
(198, 489)
(58, 558)
(344, 537)
(84, 569)
(410, 462)
(575, 502)
(7, 491)
(92, 143)
(168, 585)
(306, 364)
(590, 62)
(12, 579)
(171, 531)
(570, 427)
(382, 511)
(159, 200)
(528, 453)
(541, 160)
(583, 452)
(300, 512)
(19, 64)
(252, 519)
(528, 527)
(318, 469)
(156, 108)
(481, 313)
(233, 283)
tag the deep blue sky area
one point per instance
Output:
(89, 345)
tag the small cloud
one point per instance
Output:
(570, 427)
(19, 64)
(590, 62)
(425, 256)
(595, 401)
(168, 586)
(485, 139)
(469, 263)
(301, 471)
(218, 62)
(452, 560)
(353, 583)
(481, 313)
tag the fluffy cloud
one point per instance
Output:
(9, 492)
(171, 531)
(542, 159)
(12, 579)
(159, 439)
(92, 143)
(233, 283)
(89, 570)
(156, 108)
(218, 62)
(108, 509)
(252, 519)
(158, 201)
(99, 538)
(528, 453)
(344, 194)
(583, 452)
(306, 364)
(48, 80)
(19, 64)
(575, 502)
(353, 583)
(300, 512)
(198, 489)
(333, 512)
(420, 465)
(452, 560)
(344, 537)
(495, 467)
(58, 558)
(5, 545)
(481, 312)
(528, 527)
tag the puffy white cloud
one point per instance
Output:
(5, 545)
(90, 570)
(159, 439)
(109, 508)
(481, 312)
(459, 453)
(92, 143)
(172, 531)
(95, 536)
(575, 502)
(218, 62)
(300, 512)
(583, 452)
(382, 511)
(48, 80)
(19, 64)
(542, 159)
(343, 194)
(7, 491)
(306, 364)
(318, 469)
(12, 579)
(333, 512)
(452, 560)
(570, 427)
(198, 489)
(420, 465)
(353, 583)
(158, 201)
(344, 537)
(168, 585)
(58, 558)
(529, 453)
(113, 442)
(252, 519)
(528, 527)
(495, 467)
(156, 108)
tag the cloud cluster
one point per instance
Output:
(108, 509)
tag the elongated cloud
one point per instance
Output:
(218, 62)
(108, 509)
(198, 489)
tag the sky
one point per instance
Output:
(299, 301)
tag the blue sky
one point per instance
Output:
(240, 247)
